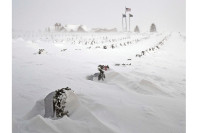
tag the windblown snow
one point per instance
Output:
(139, 94)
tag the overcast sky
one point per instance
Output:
(168, 15)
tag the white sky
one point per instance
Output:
(168, 15)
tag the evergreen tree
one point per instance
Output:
(80, 29)
(137, 29)
(153, 28)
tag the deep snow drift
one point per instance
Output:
(147, 96)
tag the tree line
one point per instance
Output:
(152, 28)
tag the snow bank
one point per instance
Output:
(146, 96)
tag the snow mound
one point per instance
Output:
(87, 123)
(38, 109)
(80, 119)
(148, 87)
(146, 97)
(72, 103)
(126, 81)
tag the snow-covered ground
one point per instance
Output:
(146, 96)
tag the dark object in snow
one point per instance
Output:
(104, 67)
(101, 75)
(97, 47)
(40, 51)
(92, 76)
(126, 64)
(112, 46)
(104, 47)
(63, 50)
(59, 102)
(117, 64)
(138, 55)
(129, 59)
(157, 47)
(55, 103)
(143, 52)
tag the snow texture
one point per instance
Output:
(147, 96)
